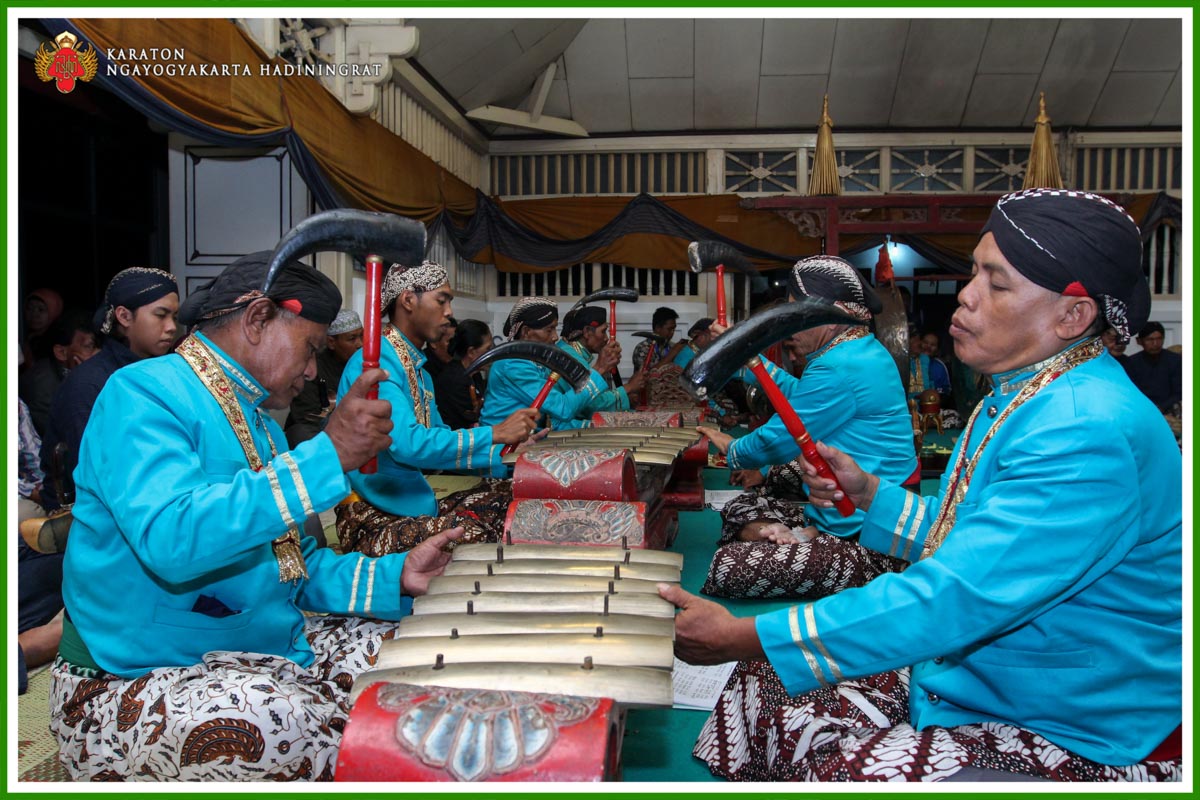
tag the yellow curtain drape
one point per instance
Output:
(368, 165)
(569, 218)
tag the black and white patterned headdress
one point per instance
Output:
(425, 278)
(530, 312)
(1078, 244)
(835, 281)
(133, 288)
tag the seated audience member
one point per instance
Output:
(938, 371)
(42, 307)
(186, 652)
(137, 319)
(39, 575)
(1157, 372)
(395, 508)
(29, 472)
(1038, 631)
(925, 371)
(39, 601)
(71, 343)
(437, 354)
(459, 395)
(1112, 342)
(846, 394)
(315, 401)
(514, 383)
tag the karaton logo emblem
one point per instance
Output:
(66, 64)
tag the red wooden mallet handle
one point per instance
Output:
(537, 405)
(722, 317)
(795, 427)
(612, 326)
(372, 332)
(646, 366)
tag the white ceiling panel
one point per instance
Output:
(659, 48)
(790, 101)
(880, 74)
(1170, 111)
(457, 41)
(728, 53)
(798, 46)
(1017, 46)
(1151, 45)
(558, 102)
(597, 78)
(935, 75)
(1130, 96)
(998, 101)
(866, 63)
(661, 104)
(483, 65)
(1077, 68)
(530, 31)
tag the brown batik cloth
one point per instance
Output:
(806, 570)
(859, 731)
(363, 528)
(232, 717)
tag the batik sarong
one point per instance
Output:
(363, 528)
(806, 570)
(232, 717)
(858, 730)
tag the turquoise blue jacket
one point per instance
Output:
(685, 356)
(603, 398)
(1054, 603)
(170, 518)
(849, 396)
(398, 485)
(926, 374)
(513, 383)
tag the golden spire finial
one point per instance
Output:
(1042, 170)
(824, 179)
(1042, 118)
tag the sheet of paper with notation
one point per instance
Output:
(699, 687)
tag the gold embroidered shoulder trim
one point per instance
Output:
(848, 335)
(416, 391)
(204, 363)
(962, 472)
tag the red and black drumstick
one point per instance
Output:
(372, 335)
(740, 346)
(366, 234)
(716, 256)
(612, 295)
(559, 362)
(795, 427)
